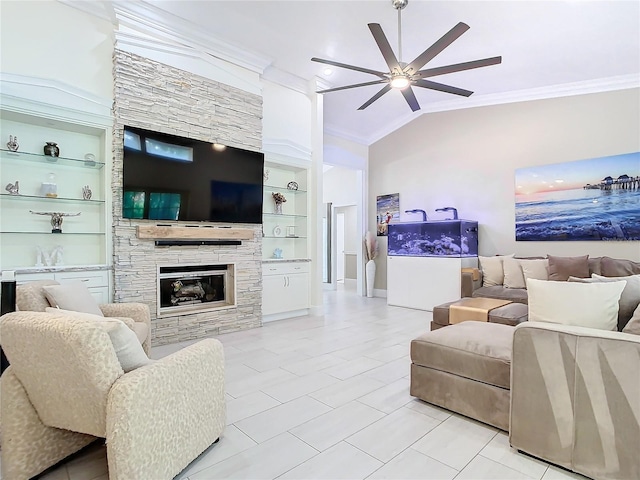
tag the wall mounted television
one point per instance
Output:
(166, 177)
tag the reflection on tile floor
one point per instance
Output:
(328, 397)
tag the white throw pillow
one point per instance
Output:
(492, 270)
(125, 341)
(72, 296)
(592, 305)
(513, 276)
(536, 269)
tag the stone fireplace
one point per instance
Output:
(184, 289)
(165, 99)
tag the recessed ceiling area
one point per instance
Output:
(545, 45)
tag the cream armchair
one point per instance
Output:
(31, 297)
(65, 387)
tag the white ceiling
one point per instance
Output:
(545, 45)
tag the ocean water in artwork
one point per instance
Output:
(580, 214)
(594, 199)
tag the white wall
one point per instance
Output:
(467, 158)
(286, 116)
(50, 40)
(339, 187)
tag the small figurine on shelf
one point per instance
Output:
(12, 144)
(13, 188)
(277, 253)
(86, 193)
(56, 219)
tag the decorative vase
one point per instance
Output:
(278, 208)
(370, 272)
(51, 149)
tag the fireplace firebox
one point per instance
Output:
(195, 288)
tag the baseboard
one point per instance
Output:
(284, 315)
(379, 292)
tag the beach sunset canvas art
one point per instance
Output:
(594, 199)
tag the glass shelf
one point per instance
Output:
(49, 233)
(6, 196)
(46, 159)
(283, 189)
(283, 236)
(283, 215)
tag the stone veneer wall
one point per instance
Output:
(161, 98)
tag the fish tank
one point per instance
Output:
(436, 238)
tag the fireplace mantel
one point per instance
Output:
(194, 233)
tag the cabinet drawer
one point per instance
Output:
(22, 278)
(90, 279)
(284, 268)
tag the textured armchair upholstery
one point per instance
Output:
(31, 297)
(575, 398)
(67, 388)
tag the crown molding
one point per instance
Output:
(53, 99)
(100, 9)
(276, 147)
(286, 79)
(153, 21)
(601, 85)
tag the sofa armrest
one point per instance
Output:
(575, 398)
(163, 415)
(138, 312)
(468, 284)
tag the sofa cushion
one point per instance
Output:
(514, 294)
(633, 326)
(538, 269)
(72, 296)
(141, 329)
(513, 276)
(511, 314)
(30, 297)
(629, 299)
(475, 350)
(613, 267)
(561, 268)
(593, 305)
(595, 265)
(492, 270)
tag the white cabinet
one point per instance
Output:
(97, 281)
(424, 282)
(285, 289)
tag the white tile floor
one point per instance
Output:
(328, 398)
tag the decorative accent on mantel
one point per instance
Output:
(153, 232)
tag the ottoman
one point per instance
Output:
(511, 314)
(465, 368)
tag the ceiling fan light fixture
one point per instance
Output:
(400, 82)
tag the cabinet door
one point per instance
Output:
(398, 281)
(297, 291)
(274, 296)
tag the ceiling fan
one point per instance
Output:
(403, 76)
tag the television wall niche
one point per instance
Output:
(167, 177)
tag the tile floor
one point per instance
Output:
(328, 398)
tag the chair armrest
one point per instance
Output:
(468, 284)
(138, 312)
(163, 415)
(570, 383)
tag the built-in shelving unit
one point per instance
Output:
(55, 184)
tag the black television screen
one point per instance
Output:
(166, 177)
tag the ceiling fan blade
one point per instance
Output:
(385, 48)
(375, 82)
(442, 88)
(458, 67)
(411, 99)
(446, 40)
(350, 67)
(384, 90)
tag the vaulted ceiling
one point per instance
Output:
(549, 48)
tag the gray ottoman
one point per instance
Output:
(465, 368)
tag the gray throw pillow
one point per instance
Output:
(633, 326)
(561, 268)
